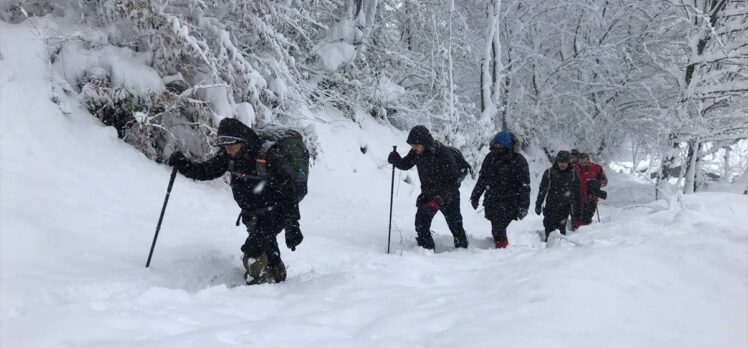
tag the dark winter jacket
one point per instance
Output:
(505, 179)
(560, 189)
(437, 167)
(252, 193)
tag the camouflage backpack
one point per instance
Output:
(290, 143)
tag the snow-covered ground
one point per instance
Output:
(78, 209)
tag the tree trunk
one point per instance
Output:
(728, 169)
(689, 185)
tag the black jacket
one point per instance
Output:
(252, 193)
(437, 170)
(506, 181)
(560, 189)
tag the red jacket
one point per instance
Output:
(592, 173)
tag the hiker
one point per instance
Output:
(560, 189)
(505, 179)
(574, 156)
(592, 178)
(440, 177)
(268, 201)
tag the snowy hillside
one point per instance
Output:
(78, 208)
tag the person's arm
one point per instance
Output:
(602, 178)
(208, 170)
(407, 162)
(480, 184)
(285, 199)
(523, 179)
(542, 190)
(576, 187)
(283, 183)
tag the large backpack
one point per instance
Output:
(462, 165)
(290, 143)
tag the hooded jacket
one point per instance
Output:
(251, 192)
(505, 179)
(437, 167)
(560, 189)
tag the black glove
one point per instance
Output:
(177, 160)
(474, 202)
(538, 209)
(293, 236)
(521, 213)
(394, 157)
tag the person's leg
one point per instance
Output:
(498, 231)
(548, 223)
(453, 216)
(261, 253)
(589, 212)
(563, 219)
(424, 216)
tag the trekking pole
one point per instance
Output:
(392, 193)
(161, 218)
(597, 210)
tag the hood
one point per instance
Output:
(232, 127)
(419, 135)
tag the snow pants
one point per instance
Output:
(498, 228)
(261, 246)
(554, 218)
(451, 211)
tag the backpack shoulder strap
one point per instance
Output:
(261, 162)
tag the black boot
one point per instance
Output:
(425, 240)
(460, 239)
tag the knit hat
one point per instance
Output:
(563, 156)
(503, 138)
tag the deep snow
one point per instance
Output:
(78, 209)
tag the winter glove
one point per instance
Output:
(434, 203)
(474, 202)
(293, 236)
(521, 213)
(538, 209)
(394, 157)
(177, 160)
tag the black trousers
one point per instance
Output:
(498, 228)
(555, 219)
(263, 230)
(588, 211)
(451, 211)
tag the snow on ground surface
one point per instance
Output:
(78, 209)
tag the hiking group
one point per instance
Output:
(269, 172)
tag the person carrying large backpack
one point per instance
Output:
(264, 189)
(505, 179)
(440, 176)
(560, 189)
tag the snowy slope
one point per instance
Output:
(78, 209)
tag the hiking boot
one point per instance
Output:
(460, 240)
(278, 272)
(425, 241)
(256, 269)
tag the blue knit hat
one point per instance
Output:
(502, 138)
